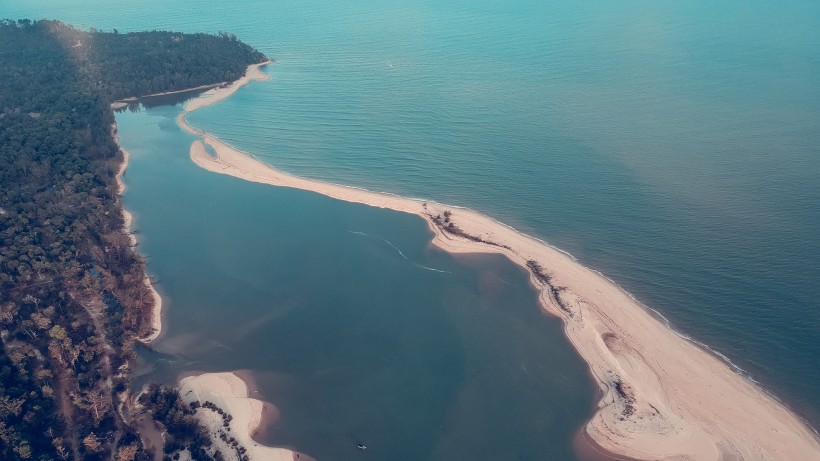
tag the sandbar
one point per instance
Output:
(230, 393)
(122, 103)
(214, 95)
(663, 395)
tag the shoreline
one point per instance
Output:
(217, 90)
(662, 394)
(230, 393)
(128, 219)
(214, 95)
(122, 103)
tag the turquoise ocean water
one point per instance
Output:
(674, 146)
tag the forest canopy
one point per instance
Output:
(73, 300)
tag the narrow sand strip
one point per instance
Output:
(156, 316)
(230, 393)
(213, 96)
(664, 397)
(185, 90)
(116, 105)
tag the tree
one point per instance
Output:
(92, 443)
(127, 453)
(57, 332)
(23, 450)
(62, 240)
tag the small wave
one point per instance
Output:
(220, 345)
(432, 269)
(422, 266)
(383, 240)
(395, 248)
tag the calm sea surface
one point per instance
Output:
(674, 146)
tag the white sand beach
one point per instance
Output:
(230, 393)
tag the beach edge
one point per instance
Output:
(230, 395)
(128, 220)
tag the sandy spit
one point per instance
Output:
(156, 316)
(664, 397)
(230, 393)
(116, 105)
(214, 95)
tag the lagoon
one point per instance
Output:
(349, 322)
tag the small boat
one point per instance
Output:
(361, 446)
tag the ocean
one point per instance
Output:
(671, 146)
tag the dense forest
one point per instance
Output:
(72, 295)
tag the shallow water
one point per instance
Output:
(671, 145)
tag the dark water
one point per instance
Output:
(354, 327)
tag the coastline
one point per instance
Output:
(663, 395)
(218, 92)
(122, 103)
(128, 218)
(214, 95)
(229, 392)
